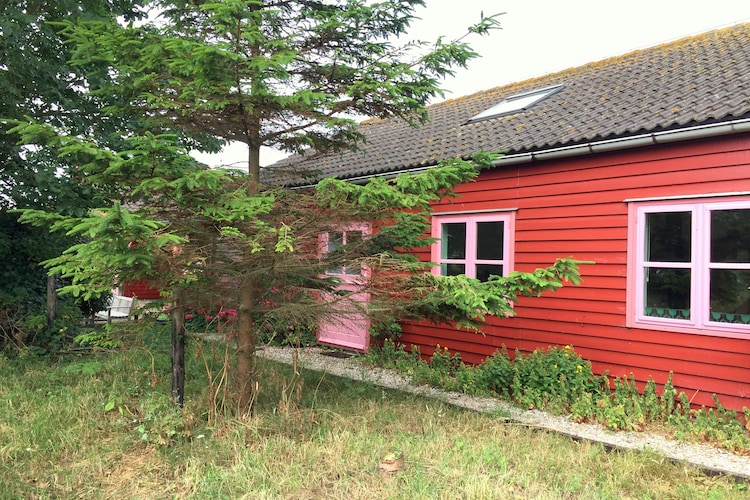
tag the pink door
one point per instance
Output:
(350, 329)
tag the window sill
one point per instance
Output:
(727, 330)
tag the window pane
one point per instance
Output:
(668, 237)
(490, 240)
(667, 293)
(335, 240)
(353, 269)
(452, 269)
(353, 238)
(454, 240)
(484, 271)
(730, 297)
(730, 236)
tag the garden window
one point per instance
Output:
(478, 246)
(693, 265)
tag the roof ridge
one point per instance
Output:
(681, 41)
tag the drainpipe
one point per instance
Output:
(637, 141)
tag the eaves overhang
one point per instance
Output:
(600, 146)
(635, 141)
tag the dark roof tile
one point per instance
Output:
(700, 79)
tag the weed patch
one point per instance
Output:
(559, 381)
(102, 426)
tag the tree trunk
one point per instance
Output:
(247, 380)
(246, 339)
(51, 299)
(178, 347)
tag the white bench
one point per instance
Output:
(120, 308)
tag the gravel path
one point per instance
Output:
(711, 459)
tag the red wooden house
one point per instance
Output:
(640, 163)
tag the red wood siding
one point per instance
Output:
(577, 207)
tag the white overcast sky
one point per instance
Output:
(544, 36)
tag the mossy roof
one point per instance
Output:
(692, 81)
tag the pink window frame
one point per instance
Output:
(700, 321)
(471, 220)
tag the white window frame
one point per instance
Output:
(471, 220)
(516, 103)
(700, 321)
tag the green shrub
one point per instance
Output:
(555, 377)
(467, 380)
(668, 397)
(651, 405)
(97, 339)
(159, 420)
(387, 354)
(583, 409)
(560, 381)
(390, 330)
(496, 373)
(626, 412)
(715, 425)
(445, 363)
(22, 328)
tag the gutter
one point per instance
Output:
(603, 146)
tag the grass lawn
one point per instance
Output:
(102, 426)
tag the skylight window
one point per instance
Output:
(516, 103)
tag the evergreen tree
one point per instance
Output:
(282, 73)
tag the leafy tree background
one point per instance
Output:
(38, 82)
(275, 73)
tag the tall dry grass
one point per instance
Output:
(101, 426)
